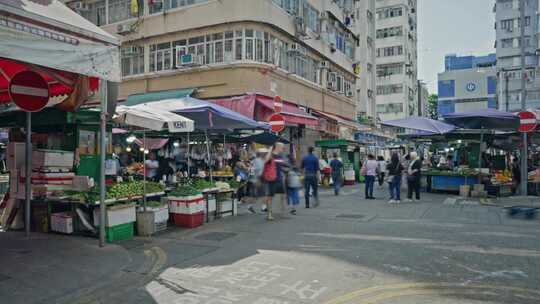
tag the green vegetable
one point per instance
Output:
(181, 191)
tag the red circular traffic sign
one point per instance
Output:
(278, 103)
(277, 122)
(527, 121)
(29, 91)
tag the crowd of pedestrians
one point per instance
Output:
(270, 173)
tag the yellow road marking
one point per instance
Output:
(396, 290)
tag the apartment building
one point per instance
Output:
(302, 50)
(396, 59)
(365, 59)
(508, 48)
(468, 83)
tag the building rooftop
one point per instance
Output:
(453, 62)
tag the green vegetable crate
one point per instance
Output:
(120, 232)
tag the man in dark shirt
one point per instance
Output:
(310, 164)
(337, 173)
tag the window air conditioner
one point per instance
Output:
(349, 93)
(123, 29)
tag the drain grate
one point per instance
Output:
(215, 236)
(351, 216)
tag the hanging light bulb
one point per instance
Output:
(141, 149)
(131, 139)
(176, 144)
(128, 149)
(146, 151)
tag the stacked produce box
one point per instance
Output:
(186, 206)
(120, 222)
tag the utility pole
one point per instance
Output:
(524, 153)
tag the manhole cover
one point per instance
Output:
(4, 277)
(215, 236)
(350, 216)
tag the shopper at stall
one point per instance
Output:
(516, 173)
(164, 168)
(241, 174)
(151, 165)
(395, 170)
(381, 170)
(369, 170)
(413, 177)
(255, 181)
(337, 173)
(310, 165)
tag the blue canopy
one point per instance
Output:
(207, 116)
(424, 125)
(484, 119)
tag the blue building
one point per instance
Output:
(468, 83)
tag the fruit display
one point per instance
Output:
(503, 176)
(153, 187)
(125, 190)
(135, 168)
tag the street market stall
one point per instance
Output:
(348, 151)
(66, 50)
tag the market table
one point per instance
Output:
(213, 194)
(449, 180)
(500, 189)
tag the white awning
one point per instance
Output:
(154, 119)
(47, 33)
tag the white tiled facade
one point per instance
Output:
(396, 59)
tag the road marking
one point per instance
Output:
(376, 294)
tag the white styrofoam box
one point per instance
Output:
(15, 155)
(350, 175)
(62, 222)
(81, 183)
(211, 205)
(186, 207)
(52, 158)
(117, 215)
(161, 215)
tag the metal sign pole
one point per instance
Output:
(524, 152)
(28, 173)
(103, 152)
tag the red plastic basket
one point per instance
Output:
(188, 220)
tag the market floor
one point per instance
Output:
(348, 250)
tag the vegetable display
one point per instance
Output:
(184, 190)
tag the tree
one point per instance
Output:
(432, 106)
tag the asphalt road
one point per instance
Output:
(348, 250)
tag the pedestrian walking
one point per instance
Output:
(337, 173)
(255, 180)
(293, 188)
(273, 176)
(369, 170)
(413, 177)
(381, 163)
(405, 163)
(310, 165)
(395, 169)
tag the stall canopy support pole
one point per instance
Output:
(208, 154)
(144, 171)
(103, 152)
(524, 153)
(28, 173)
(480, 157)
(188, 158)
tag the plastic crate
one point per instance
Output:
(188, 220)
(119, 232)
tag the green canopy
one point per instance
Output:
(156, 96)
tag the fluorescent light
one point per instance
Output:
(176, 144)
(131, 139)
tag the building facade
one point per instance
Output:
(396, 59)
(468, 83)
(423, 96)
(302, 50)
(508, 47)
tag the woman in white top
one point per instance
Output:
(381, 170)
(369, 170)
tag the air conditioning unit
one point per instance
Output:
(333, 47)
(189, 60)
(81, 6)
(325, 64)
(123, 29)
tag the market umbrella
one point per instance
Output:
(488, 119)
(422, 124)
(265, 138)
(154, 119)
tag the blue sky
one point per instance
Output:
(464, 27)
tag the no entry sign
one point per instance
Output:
(527, 121)
(29, 91)
(277, 122)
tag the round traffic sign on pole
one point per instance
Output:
(277, 122)
(278, 104)
(527, 121)
(29, 91)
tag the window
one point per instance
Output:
(390, 32)
(389, 89)
(507, 43)
(507, 24)
(163, 5)
(95, 13)
(390, 108)
(389, 69)
(160, 57)
(389, 12)
(132, 60)
(390, 51)
(238, 45)
(311, 17)
(120, 10)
